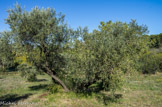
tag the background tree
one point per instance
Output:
(156, 40)
(6, 51)
(151, 62)
(42, 34)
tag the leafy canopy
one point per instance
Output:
(99, 61)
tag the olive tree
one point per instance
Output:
(42, 33)
(98, 60)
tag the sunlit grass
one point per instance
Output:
(138, 91)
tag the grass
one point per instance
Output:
(138, 91)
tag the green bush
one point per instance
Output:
(151, 63)
(29, 72)
(54, 88)
(156, 41)
(100, 60)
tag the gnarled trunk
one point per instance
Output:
(50, 73)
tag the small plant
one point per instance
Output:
(54, 88)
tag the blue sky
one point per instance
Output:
(91, 12)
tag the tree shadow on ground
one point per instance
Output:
(38, 87)
(11, 99)
(40, 80)
(109, 98)
(103, 97)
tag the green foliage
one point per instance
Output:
(29, 72)
(98, 61)
(42, 35)
(41, 32)
(156, 41)
(6, 51)
(85, 61)
(151, 63)
(54, 88)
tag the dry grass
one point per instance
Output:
(138, 91)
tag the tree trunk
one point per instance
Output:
(49, 72)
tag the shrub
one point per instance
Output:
(151, 63)
(54, 88)
(29, 72)
(158, 58)
(98, 61)
(155, 41)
